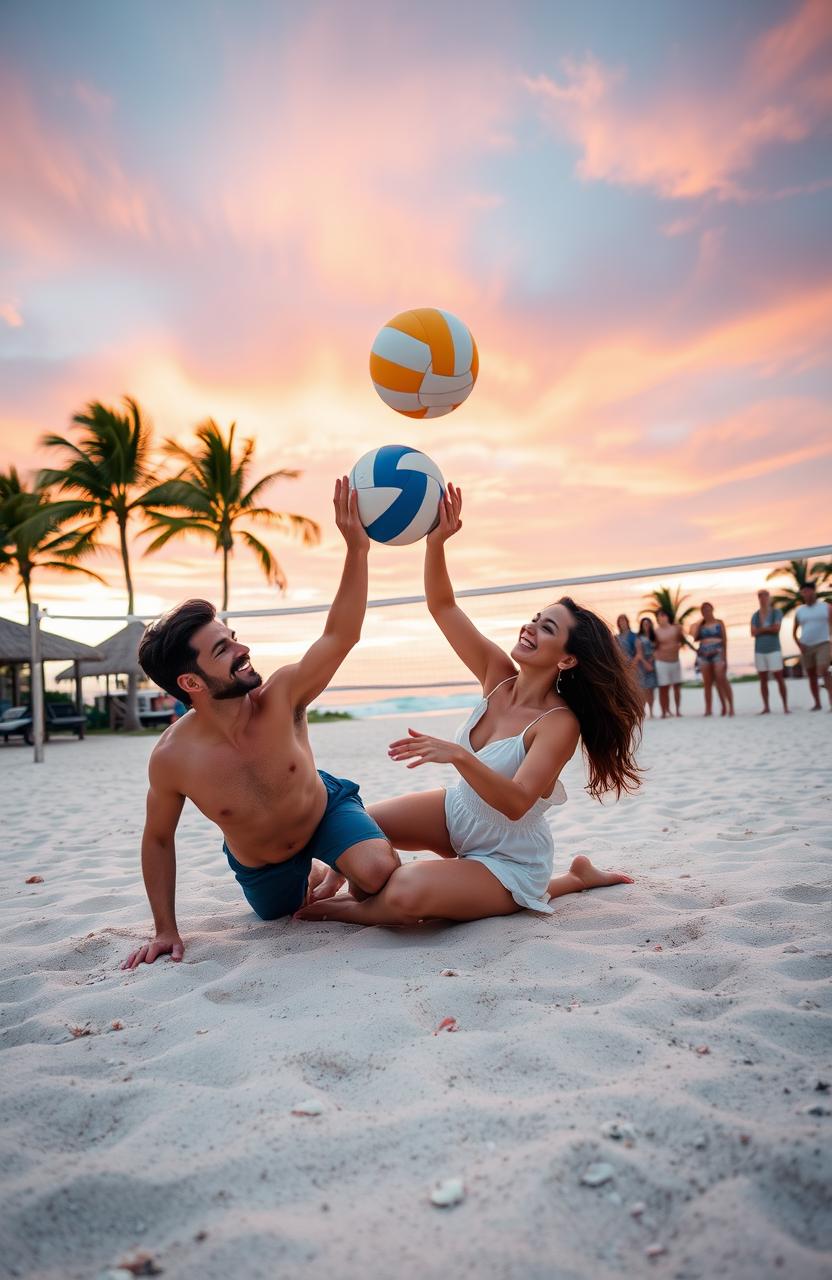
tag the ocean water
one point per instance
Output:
(403, 706)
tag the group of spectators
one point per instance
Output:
(653, 652)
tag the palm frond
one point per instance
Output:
(64, 566)
(169, 526)
(268, 562)
(309, 531)
(176, 492)
(285, 474)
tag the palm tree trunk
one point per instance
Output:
(125, 560)
(131, 715)
(225, 578)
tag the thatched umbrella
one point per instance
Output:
(117, 656)
(16, 652)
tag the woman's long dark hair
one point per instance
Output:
(602, 693)
(651, 630)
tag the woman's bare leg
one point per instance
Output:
(726, 693)
(708, 687)
(583, 875)
(454, 890)
(415, 822)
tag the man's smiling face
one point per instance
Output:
(224, 665)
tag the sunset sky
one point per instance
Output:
(213, 207)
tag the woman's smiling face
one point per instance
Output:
(541, 643)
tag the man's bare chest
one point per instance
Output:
(257, 777)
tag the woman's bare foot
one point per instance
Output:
(592, 877)
(583, 875)
(341, 908)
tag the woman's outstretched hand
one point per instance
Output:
(420, 748)
(450, 515)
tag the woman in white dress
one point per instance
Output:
(565, 681)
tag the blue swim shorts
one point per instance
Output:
(279, 888)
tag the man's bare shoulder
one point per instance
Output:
(277, 693)
(169, 750)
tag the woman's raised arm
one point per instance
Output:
(481, 656)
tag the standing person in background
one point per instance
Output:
(712, 654)
(669, 637)
(626, 639)
(768, 655)
(645, 664)
(813, 620)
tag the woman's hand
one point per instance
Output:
(450, 515)
(420, 748)
(345, 501)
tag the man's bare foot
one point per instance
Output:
(324, 882)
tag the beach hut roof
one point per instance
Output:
(15, 645)
(116, 656)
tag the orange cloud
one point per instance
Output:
(794, 333)
(10, 313)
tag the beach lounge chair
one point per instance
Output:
(62, 715)
(14, 721)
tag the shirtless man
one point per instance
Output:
(813, 620)
(668, 667)
(242, 756)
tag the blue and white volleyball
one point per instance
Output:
(398, 493)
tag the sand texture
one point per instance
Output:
(676, 1032)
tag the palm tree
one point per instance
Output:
(214, 493)
(661, 598)
(33, 533)
(108, 466)
(671, 604)
(789, 598)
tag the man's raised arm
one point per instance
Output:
(164, 806)
(342, 631)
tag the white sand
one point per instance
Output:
(175, 1134)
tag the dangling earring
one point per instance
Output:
(557, 683)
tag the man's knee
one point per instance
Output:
(372, 867)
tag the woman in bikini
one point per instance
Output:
(565, 681)
(712, 655)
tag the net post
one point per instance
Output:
(35, 682)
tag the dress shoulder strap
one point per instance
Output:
(540, 717)
(500, 685)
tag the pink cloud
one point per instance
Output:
(686, 143)
(96, 102)
(70, 184)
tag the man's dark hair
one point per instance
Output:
(165, 650)
(812, 586)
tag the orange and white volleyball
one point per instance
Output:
(424, 363)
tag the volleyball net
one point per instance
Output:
(403, 661)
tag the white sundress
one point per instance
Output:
(519, 852)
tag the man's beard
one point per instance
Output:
(236, 687)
